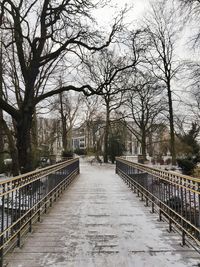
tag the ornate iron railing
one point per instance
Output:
(175, 197)
(23, 199)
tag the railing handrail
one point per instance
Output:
(174, 195)
(171, 176)
(150, 168)
(25, 197)
(21, 176)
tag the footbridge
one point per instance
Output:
(82, 214)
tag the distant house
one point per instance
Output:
(90, 136)
(49, 137)
(133, 147)
(158, 142)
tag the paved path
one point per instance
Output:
(99, 222)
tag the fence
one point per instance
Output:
(23, 199)
(175, 197)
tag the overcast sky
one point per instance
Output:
(135, 16)
(139, 7)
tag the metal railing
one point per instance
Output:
(23, 199)
(175, 197)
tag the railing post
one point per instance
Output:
(78, 162)
(19, 223)
(183, 238)
(152, 205)
(170, 224)
(176, 197)
(147, 202)
(45, 205)
(39, 198)
(142, 195)
(29, 194)
(116, 167)
(26, 193)
(160, 212)
(51, 200)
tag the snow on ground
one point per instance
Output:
(99, 222)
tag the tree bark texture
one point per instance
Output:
(106, 136)
(1, 114)
(23, 127)
(143, 144)
(171, 123)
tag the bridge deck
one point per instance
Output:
(99, 222)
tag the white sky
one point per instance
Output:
(105, 15)
(134, 18)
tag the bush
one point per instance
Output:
(168, 161)
(80, 152)
(67, 154)
(187, 165)
(90, 152)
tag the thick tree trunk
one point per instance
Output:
(1, 116)
(106, 135)
(69, 138)
(143, 144)
(34, 141)
(24, 142)
(64, 124)
(150, 146)
(171, 123)
(1, 142)
(64, 135)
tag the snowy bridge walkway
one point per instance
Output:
(99, 222)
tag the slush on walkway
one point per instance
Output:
(98, 221)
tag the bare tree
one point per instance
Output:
(162, 32)
(144, 106)
(111, 70)
(41, 34)
(68, 107)
(190, 10)
(110, 67)
(93, 117)
(192, 102)
(48, 137)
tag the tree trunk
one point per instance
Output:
(23, 127)
(150, 146)
(34, 142)
(69, 138)
(106, 135)
(64, 124)
(1, 114)
(64, 135)
(1, 142)
(171, 123)
(143, 144)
